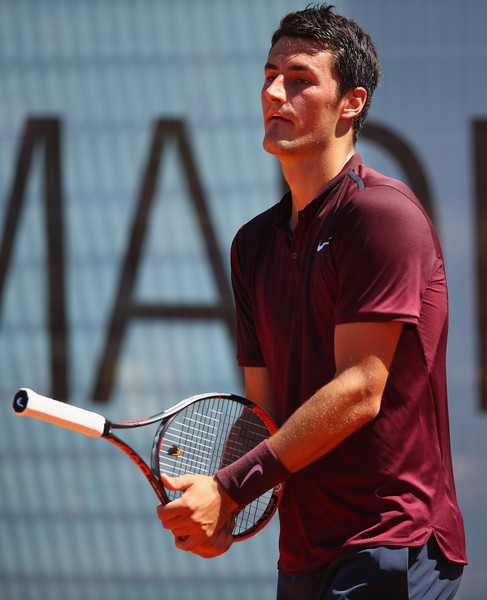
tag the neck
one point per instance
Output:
(306, 178)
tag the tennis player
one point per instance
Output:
(342, 316)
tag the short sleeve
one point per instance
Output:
(249, 352)
(384, 252)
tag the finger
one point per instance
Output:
(207, 548)
(173, 519)
(176, 483)
(188, 543)
(160, 511)
(173, 510)
(164, 514)
(178, 528)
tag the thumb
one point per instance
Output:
(176, 484)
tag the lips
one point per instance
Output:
(277, 117)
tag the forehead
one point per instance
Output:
(288, 50)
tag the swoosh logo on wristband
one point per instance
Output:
(254, 469)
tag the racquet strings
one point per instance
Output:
(208, 435)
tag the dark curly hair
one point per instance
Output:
(354, 54)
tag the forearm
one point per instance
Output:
(332, 414)
(336, 411)
(363, 357)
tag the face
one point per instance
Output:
(300, 99)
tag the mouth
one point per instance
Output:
(277, 118)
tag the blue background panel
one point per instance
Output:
(77, 520)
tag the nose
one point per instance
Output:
(275, 90)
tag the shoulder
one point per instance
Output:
(373, 189)
(258, 230)
(247, 243)
(382, 202)
(266, 218)
(382, 215)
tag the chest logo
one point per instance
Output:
(321, 245)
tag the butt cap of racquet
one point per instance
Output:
(28, 403)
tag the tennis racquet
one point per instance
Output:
(199, 435)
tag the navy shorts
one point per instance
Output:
(382, 573)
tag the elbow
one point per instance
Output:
(369, 391)
(374, 405)
(366, 402)
(370, 404)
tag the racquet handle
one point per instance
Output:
(29, 403)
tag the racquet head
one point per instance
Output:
(209, 433)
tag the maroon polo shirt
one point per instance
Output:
(364, 250)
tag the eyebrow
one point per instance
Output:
(272, 67)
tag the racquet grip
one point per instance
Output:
(29, 403)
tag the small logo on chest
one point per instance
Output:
(321, 245)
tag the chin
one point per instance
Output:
(278, 147)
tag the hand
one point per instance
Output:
(201, 519)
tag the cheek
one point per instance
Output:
(321, 114)
(310, 102)
(313, 114)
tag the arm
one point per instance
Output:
(258, 388)
(363, 355)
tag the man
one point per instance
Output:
(342, 318)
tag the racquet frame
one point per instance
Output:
(29, 403)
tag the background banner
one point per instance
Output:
(130, 153)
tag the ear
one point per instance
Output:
(353, 103)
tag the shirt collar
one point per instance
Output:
(283, 213)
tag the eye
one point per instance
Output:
(303, 81)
